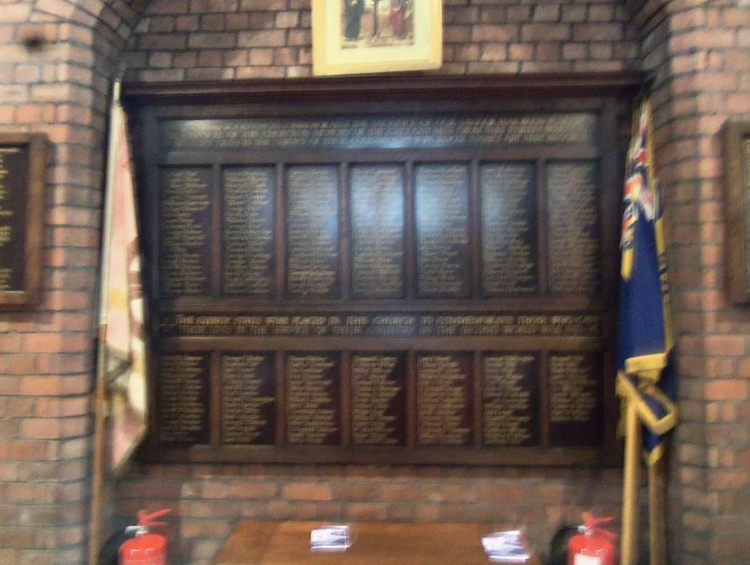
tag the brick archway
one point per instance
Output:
(47, 354)
(698, 55)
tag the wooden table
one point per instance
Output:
(288, 543)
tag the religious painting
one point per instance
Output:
(376, 36)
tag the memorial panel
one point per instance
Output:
(385, 131)
(574, 228)
(575, 399)
(248, 231)
(509, 229)
(383, 283)
(511, 399)
(377, 209)
(745, 187)
(395, 324)
(14, 165)
(313, 399)
(378, 399)
(444, 405)
(248, 409)
(312, 231)
(736, 146)
(185, 235)
(183, 399)
(442, 216)
(23, 164)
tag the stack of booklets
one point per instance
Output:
(506, 547)
(331, 538)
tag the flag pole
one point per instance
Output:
(100, 415)
(100, 401)
(646, 375)
(657, 534)
(631, 482)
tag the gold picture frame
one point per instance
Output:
(376, 36)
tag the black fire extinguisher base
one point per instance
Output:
(108, 553)
(558, 547)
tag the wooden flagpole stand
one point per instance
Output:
(97, 483)
(657, 534)
(631, 482)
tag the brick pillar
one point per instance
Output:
(46, 353)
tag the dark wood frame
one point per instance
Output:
(36, 144)
(737, 178)
(610, 95)
(394, 87)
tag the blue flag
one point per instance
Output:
(645, 346)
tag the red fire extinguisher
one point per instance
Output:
(146, 548)
(592, 545)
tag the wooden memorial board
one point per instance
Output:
(248, 399)
(737, 178)
(23, 161)
(183, 399)
(378, 399)
(384, 282)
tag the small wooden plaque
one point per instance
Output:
(23, 159)
(737, 167)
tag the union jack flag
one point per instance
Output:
(645, 344)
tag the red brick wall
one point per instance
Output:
(225, 39)
(210, 499)
(700, 55)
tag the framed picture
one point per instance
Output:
(737, 177)
(376, 36)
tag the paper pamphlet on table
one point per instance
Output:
(506, 547)
(331, 538)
